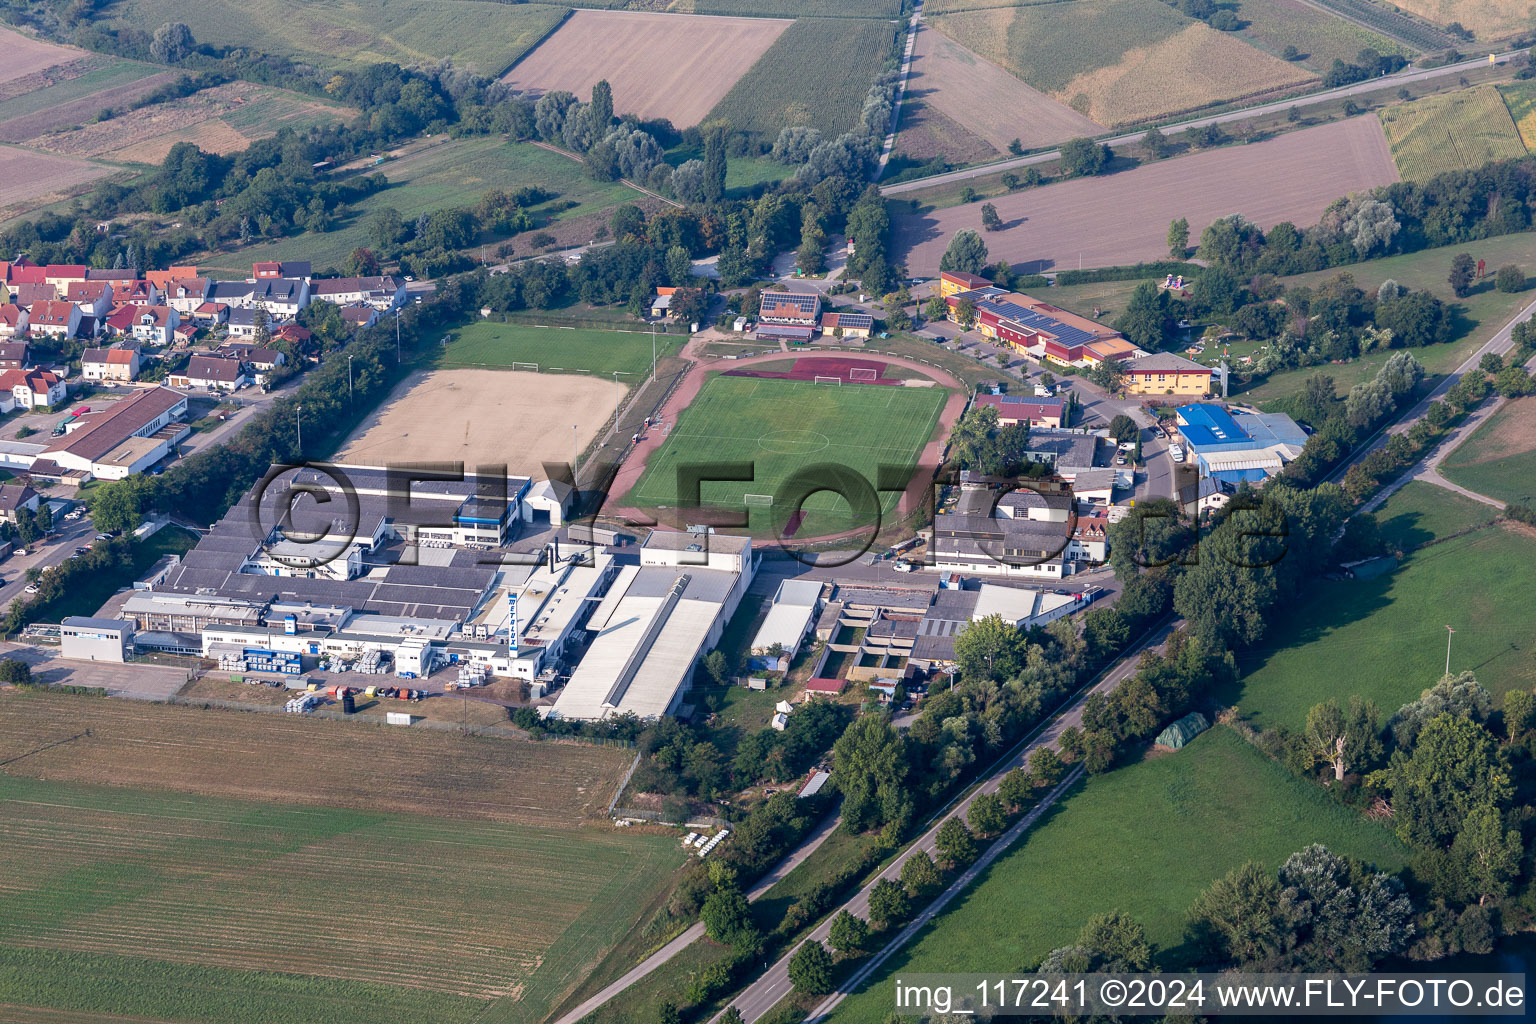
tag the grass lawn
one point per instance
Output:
(1479, 316)
(1454, 132)
(486, 344)
(90, 594)
(1499, 459)
(179, 907)
(1144, 839)
(1384, 639)
(783, 427)
(1419, 512)
(488, 37)
(456, 173)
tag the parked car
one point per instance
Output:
(905, 566)
(31, 588)
(1119, 460)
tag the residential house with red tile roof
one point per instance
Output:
(61, 274)
(109, 364)
(154, 325)
(29, 295)
(34, 389)
(162, 279)
(184, 294)
(93, 297)
(14, 355)
(13, 319)
(212, 371)
(54, 319)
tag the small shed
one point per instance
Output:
(1182, 731)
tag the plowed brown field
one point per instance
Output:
(25, 56)
(676, 66)
(1123, 218)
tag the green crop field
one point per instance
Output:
(110, 75)
(817, 73)
(1418, 512)
(1145, 839)
(1320, 38)
(484, 344)
(782, 427)
(456, 173)
(1520, 98)
(1384, 639)
(1499, 459)
(177, 907)
(490, 37)
(1452, 132)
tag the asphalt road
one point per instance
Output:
(1407, 76)
(773, 985)
(45, 554)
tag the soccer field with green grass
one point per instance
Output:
(1145, 839)
(486, 345)
(785, 429)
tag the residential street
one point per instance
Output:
(1405, 77)
(45, 554)
(774, 984)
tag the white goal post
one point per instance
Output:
(757, 500)
(863, 373)
(526, 366)
(829, 380)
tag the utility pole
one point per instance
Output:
(1449, 632)
(397, 336)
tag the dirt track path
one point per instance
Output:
(917, 490)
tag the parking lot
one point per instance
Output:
(140, 680)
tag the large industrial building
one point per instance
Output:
(1234, 447)
(1032, 327)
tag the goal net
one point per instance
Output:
(757, 500)
(829, 380)
(526, 366)
(865, 373)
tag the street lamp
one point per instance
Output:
(397, 336)
(350, 394)
(298, 429)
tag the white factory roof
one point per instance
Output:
(789, 615)
(1016, 604)
(651, 628)
(395, 627)
(1232, 461)
(547, 602)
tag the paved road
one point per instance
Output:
(774, 984)
(1405, 77)
(696, 932)
(45, 554)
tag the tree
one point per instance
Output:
(810, 969)
(1016, 147)
(1461, 695)
(849, 934)
(116, 506)
(1123, 428)
(1154, 143)
(936, 308)
(363, 263)
(989, 648)
(1111, 943)
(1107, 374)
(1146, 321)
(887, 903)
(965, 312)
(921, 876)
(987, 816)
(1045, 766)
(871, 772)
(173, 42)
(1490, 853)
(896, 317)
(726, 915)
(1510, 279)
(1080, 157)
(990, 221)
(14, 671)
(1342, 923)
(966, 253)
(666, 1013)
(679, 267)
(714, 163)
(1455, 766)
(1238, 919)
(1462, 269)
(1178, 238)
(955, 842)
(1342, 739)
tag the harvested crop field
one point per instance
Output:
(194, 908)
(986, 100)
(27, 179)
(1120, 61)
(1124, 217)
(1488, 19)
(229, 754)
(1319, 37)
(53, 111)
(676, 66)
(1451, 132)
(486, 417)
(147, 134)
(27, 56)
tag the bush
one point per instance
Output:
(15, 672)
(1132, 272)
(1510, 279)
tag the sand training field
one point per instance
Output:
(676, 66)
(986, 100)
(485, 417)
(1123, 218)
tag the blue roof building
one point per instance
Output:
(1241, 447)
